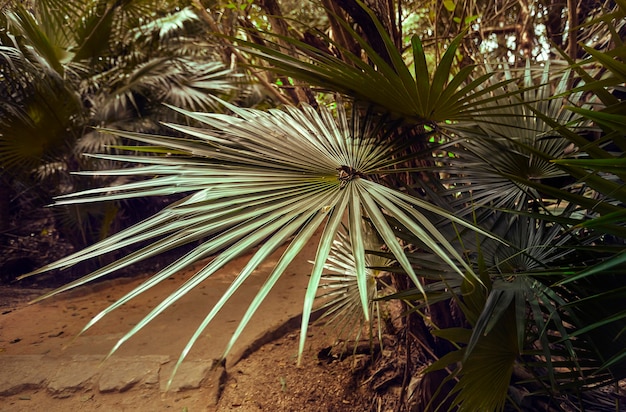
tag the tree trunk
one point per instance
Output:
(572, 21)
(279, 26)
(365, 22)
(555, 25)
(5, 203)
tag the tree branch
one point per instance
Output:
(204, 15)
(572, 37)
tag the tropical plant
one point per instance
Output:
(260, 178)
(487, 192)
(509, 162)
(71, 66)
(520, 169)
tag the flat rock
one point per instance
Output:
(190, 375)
(73, 375)
(20, 373)
(119, 375)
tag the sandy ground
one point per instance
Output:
(48, 331)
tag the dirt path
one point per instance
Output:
(45, 366)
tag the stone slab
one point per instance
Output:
(119, 375)
(73, 375)
(191, 374)
(22, 372)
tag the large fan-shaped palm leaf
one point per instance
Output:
(261, 178)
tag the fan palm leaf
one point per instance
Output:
(261, 178)
(37, 113)
(339, 292)
(520, 315)
(446, 94)
(494, 158)
(46, 48)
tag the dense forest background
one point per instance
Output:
(482, 182)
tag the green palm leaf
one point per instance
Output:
(36, 117)
(418, 97)
(261, 178)
(495, 157)
(44, 46)
(339, 295)
(515, 271)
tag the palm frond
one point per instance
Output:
(46, 50)
(418, 97)
(339, 296)
(261, 177)
(488, 156)
(165, 27)
(519, 313)
(36, 119)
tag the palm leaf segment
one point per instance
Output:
(339, 296)
(260, 178)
